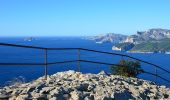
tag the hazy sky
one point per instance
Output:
(81, 17)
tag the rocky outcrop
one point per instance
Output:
(116, 48)
(71, 85)
(123, 46)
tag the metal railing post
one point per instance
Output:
(46, 65)
(78, 62)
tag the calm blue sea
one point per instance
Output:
(23, 55)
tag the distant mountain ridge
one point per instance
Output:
(108, 37)
(151, 40)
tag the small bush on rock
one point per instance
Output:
(128, 68)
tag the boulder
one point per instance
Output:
(76, 95)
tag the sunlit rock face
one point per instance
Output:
(155, 34)
(149, 35)
(71, 85)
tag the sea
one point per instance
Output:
(9, 74)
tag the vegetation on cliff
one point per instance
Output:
(153, 46)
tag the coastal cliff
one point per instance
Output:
(71, 85)
(154, 40)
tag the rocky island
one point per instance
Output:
(29, 39)
(71, 85)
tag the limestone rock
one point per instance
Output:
(71, 85)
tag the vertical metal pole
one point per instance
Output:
(156, 75)
(45, 62)
(78, 62)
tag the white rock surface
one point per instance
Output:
(71, 85)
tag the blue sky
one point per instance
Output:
(81, 17)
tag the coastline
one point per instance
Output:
(142, 52)
(146, 52)
(138, 52)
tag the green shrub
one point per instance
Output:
(128, 68)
